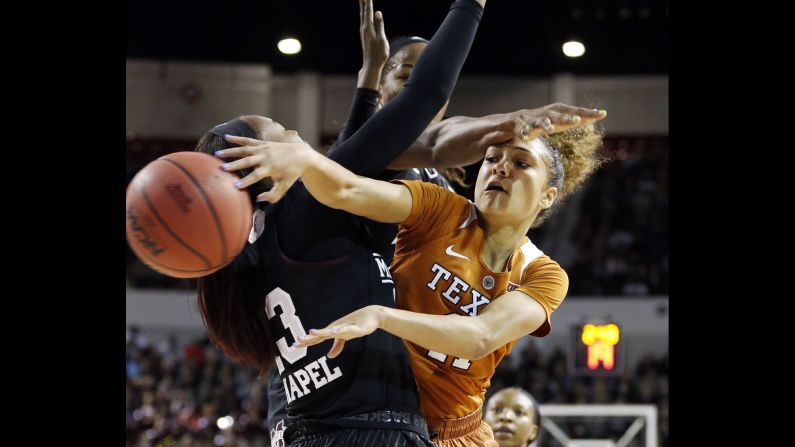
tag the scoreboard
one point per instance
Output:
(596, 349)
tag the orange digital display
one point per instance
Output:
(601, 342)
(596, 348)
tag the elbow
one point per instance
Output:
(338, 199)
(343, 196)
(434, 95)
(481, 346)
(334, 201)
(481, 350)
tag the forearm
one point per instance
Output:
(505, 319)
(363, 106)
(327, 181)
(456, 335)
(403, 120)
(336, 187)
(456, 141)
(435, 74)
(369, 77)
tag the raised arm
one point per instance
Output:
(396, 126)
(375, 52)
(375, 46)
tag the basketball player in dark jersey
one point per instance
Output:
(311, 264)
(380, 237)
(459, 140)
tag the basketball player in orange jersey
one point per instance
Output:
(469, 282)
(386, 70)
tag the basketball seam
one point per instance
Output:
(148, 260)
(209, 204)
(170, 231)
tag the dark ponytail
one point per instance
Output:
(232, 306)
(232, 300)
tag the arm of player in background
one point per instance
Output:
(461, 141)
(398, 124)
(375, 52)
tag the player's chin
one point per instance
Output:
(488, 199)
(493, 205)
(503, 436)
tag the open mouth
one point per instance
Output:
(495, 186)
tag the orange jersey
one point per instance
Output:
(438, 270)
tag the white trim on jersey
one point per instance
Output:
(257, 226)
(472, 216)
(530, 252)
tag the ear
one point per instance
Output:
(532, 433)
(549, 197)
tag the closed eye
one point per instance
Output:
(403, 74)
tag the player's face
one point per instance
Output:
(269, 130)
(510, 415)
(512, 181)
(398, 73)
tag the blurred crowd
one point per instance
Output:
(190, 394)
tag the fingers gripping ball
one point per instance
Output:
(185, 218)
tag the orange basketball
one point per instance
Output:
(185, 218)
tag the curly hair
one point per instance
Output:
(457, 175)
(571, 157)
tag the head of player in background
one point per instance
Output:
(514, 417)
(403, 54)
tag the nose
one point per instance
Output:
(501, 168)
(507, 415)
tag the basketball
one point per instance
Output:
(185, 218)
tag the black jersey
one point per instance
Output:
(373, 372)
(277, 406)
(319, 264)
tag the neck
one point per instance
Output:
(501, 241)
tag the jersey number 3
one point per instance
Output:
(290, 321)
